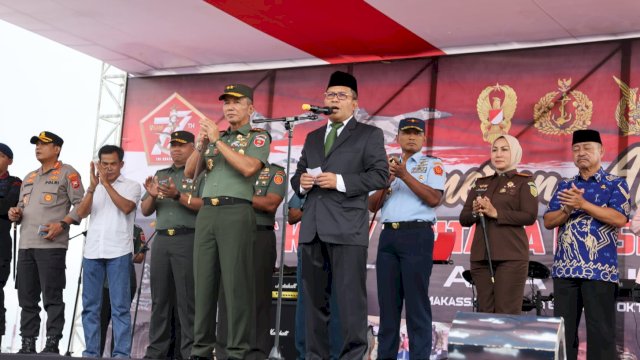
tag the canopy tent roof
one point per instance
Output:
(159, 37)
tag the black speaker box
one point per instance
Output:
(287, 328)
(289, 288)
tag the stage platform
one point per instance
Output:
(4, 356)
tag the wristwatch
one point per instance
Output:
(65, 225)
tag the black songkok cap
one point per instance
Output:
(588, 135)
(340, 78)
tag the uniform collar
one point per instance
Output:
(415, 157)
(509, 174)
(244, 129)
(57, 166)
(174, 168)
(6, 175)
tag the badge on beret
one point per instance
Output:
(259, 140)
(75, 180)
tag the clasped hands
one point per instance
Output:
(326, 180)
(161, 189)
(483, 205)
(572, 198)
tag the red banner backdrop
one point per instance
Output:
(538, 95)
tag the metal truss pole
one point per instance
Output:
(113, 85)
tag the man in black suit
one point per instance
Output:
(334, 231)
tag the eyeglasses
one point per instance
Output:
(340, 95)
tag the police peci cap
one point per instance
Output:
(340, 78)
(5, 149)
(182, 137)
(47, 137)
(237, 91)
(411, 123)
(588, 135)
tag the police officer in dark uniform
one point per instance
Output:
(405, 250)
(268, 195)
(9, 195)
(226, 225)
(171, 196)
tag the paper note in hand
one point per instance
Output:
(314, 172)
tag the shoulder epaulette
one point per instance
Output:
(523, 174)
(278, 167)
(261, 130)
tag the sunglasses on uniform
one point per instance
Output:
(340, 95)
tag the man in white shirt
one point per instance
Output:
(111, 199)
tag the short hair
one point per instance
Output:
(110, 149)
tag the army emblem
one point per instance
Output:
(173, 114)
(554, 117)
(628, 109)
(496, 106)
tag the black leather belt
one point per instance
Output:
(177, 231)
(224, 200)
(264, 227)
(405, 225)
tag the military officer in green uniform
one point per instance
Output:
(174, 200)
(268, 194)
(226, 224)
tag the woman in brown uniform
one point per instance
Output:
(508, 201)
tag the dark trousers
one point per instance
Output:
(345, 268)
(223, 255)
(598, 298)
(505, 295)
(403, 269)
(171, 278)
(5, 269)
(105, 311)
(335, 338)
(264, 258)
(41, 271)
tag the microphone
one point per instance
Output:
(326, 110)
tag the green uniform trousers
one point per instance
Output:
(223, 256)
(171, 286)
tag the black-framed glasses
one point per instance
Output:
(341, 95)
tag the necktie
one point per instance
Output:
(331, 138)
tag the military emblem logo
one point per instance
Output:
(496, 106)
(628, 109)
(173, 114)
(570, 112)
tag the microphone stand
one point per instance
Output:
(288, 125)
(143, 250)
(15, 249)
(75, 303)
(483, 223)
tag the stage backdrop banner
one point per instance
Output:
(538, 95)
